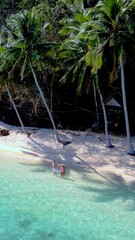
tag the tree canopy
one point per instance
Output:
(74, 40)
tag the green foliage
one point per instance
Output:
(28, 4)
(26, 42)
(64, 35)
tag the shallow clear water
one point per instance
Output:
(36, 205)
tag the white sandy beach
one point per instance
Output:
(86, 152)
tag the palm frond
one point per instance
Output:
(68, 74)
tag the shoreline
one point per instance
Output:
(86, 152)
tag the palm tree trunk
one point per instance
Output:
(17, 113)
(131, 150)
(51, 94)
(108, 142)
(95, 99)
(48, 110)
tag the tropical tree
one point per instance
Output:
(4, 80)
(80, 48)
(25, 47)
(114, 23)
(5, 85)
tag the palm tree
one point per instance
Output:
(25, 47)
(3, 78)
(114, 24)
(6, 86)
(81, 54)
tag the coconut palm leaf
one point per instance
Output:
(23, 45)
(116, 18)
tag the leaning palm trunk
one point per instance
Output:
(17, 113)
(95, 99)
(131, 150)
(51, 94)
(48, 110)
(108, 142)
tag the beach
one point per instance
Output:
(87, 152)
(94, 200)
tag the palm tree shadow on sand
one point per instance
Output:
(38, 149)
(42, 151)
(112, 185)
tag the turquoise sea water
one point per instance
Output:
(36, 205)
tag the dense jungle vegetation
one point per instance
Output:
(63, 59)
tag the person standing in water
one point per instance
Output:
(62, 170)
(54, 167)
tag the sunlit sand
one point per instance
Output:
(86, 151)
